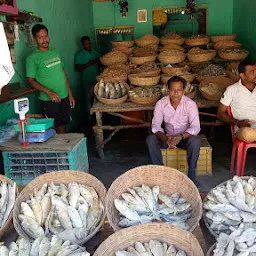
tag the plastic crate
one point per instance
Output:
(177, 158)
(37, 125)
(24, 166)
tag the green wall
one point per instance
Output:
(243, 24)
(67, 22)
(220, 14)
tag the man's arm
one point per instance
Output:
(70, 95)
(81, 67)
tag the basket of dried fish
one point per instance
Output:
(143, 80)
(171, 46)
(111, 93)
(233, 54)
(230, 204)
(227, 44)
(69, 204)
(197, 40)
(147, 40)
(145, 51)
(171, 69)
(145, 96)
(123, 49)
(171, 56)
(214, 87)
(8, 193)
(123, 43)
(150, 239)
(51, 246)
(142, 60)
(152, 193)
(216, 39)
(172, 38)
(210, 71)
(232, 71)
(190, 91)
(197, 54)
(113, 58)
(148, 68)
(189, 77)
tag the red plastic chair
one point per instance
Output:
(239, 151)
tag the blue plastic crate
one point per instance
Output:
(32, 137)
(24, 166)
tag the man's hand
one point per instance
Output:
(173, 141)
(53, 96)
(72, 101)
(243, 123)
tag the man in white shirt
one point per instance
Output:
(241, 97)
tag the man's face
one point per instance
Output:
(87, 45)
(42, 39)
(176, 91)
(250, 74)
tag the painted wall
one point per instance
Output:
(243, 24)
(220, 14)
(67, 22)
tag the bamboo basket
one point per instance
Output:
(122, 43)
(216, 39)
(108, 61)
(192, 94)
(210, 251)
(172, 70)
(111, 101)
(123, 49)
(122, 239)
(8, 223)
(178, 41)
(143, 42)
(200, 78)
(59, 177)
(169, 180)
(121, 78)
(202, 57)
(145, 100)
(197, 41)
(233, 56)
(233, 77)
(142, 80)
(164, 57)
(227, 44)
(150, 73)
(172, 46)
(142, 60)
(189, 78)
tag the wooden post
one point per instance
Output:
(99, 137)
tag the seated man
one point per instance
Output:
(181, 121)
(241, 97)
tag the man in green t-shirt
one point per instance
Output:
(87, 62)
(45, 72)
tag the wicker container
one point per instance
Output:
(122, 43)
(8, 223)
(233, 55)
(123, 49)
(200, 78)
(147, 40)
(59, 177)
(111, 101)
(110, 79)
(145, 100)
(150, 73)
(197, 41)
(172, 46)
(142, 80)
(113, 58)
(211, 250)
(227, 44)
(171, 57)
(202, 57)
(216, 39)
(122, 239)
(178, 41)
(188, 77)
(233, 77)
(142, 60)
(167, 178)
(172, 70)
(192, 94)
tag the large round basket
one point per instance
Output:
(143, 80)
(233, 77)
(142, 60)
(202, 57)
(145, 100)
(164, 57)
(111, 101)
(197, 41)
(167, 178)
(172, 70)
(123, 43)
(108, 59)
(188, 77)
(155, 72)
(178, 41)
(172, 46)
(122, 239)
(200, 78)
(233, 55)
(227, 44)
(110, 79)
(64, 177)
(192, 94)
(216, 39)
(144, 42)
(211, 250)
(8, 223)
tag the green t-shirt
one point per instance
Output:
(47, 69)
(89, 74)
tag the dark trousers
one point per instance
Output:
(192, 145)
(89, 97)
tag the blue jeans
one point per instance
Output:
(191, 144)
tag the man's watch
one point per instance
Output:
(182, 136)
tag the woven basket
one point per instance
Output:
(150, 73)
(197, 41)
(210, 251)
(202, 57)
(123, 49)
(167, 178)
(189, 78)
(59, 177)
(172, 46)
(111, 101)
(233, 77)
(122, 78)
(233, 56)
(216, 39)
(172, 70)
(192, 94)
(122, 239)
(200, 78)
(121, 58)
(141, 80)
(144, 42)
(227, 44)
(142, 60)
(9, 220)
(164, 57)
(178, 41)
(122, 43)
(145, 100)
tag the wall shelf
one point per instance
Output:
(24, 17)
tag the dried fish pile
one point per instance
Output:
(43, 246)
(111, 90)
(189, 89)
(71, 212)
(212, 70)
(198, 36)
(145, 51)
(172, 35)
(213, 89)
(146, 67)
(233, 51)
(240, 242)
(144, 205)
(151, 248)
(7, 200)
(114, 57)
(147, 92)
(228, 205)
(171, 52)
(198, 50)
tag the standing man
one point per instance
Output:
(180, 117)
(45, 72)
(87, 62)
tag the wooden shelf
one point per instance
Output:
(24, 17)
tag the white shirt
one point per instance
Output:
(242, 102)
